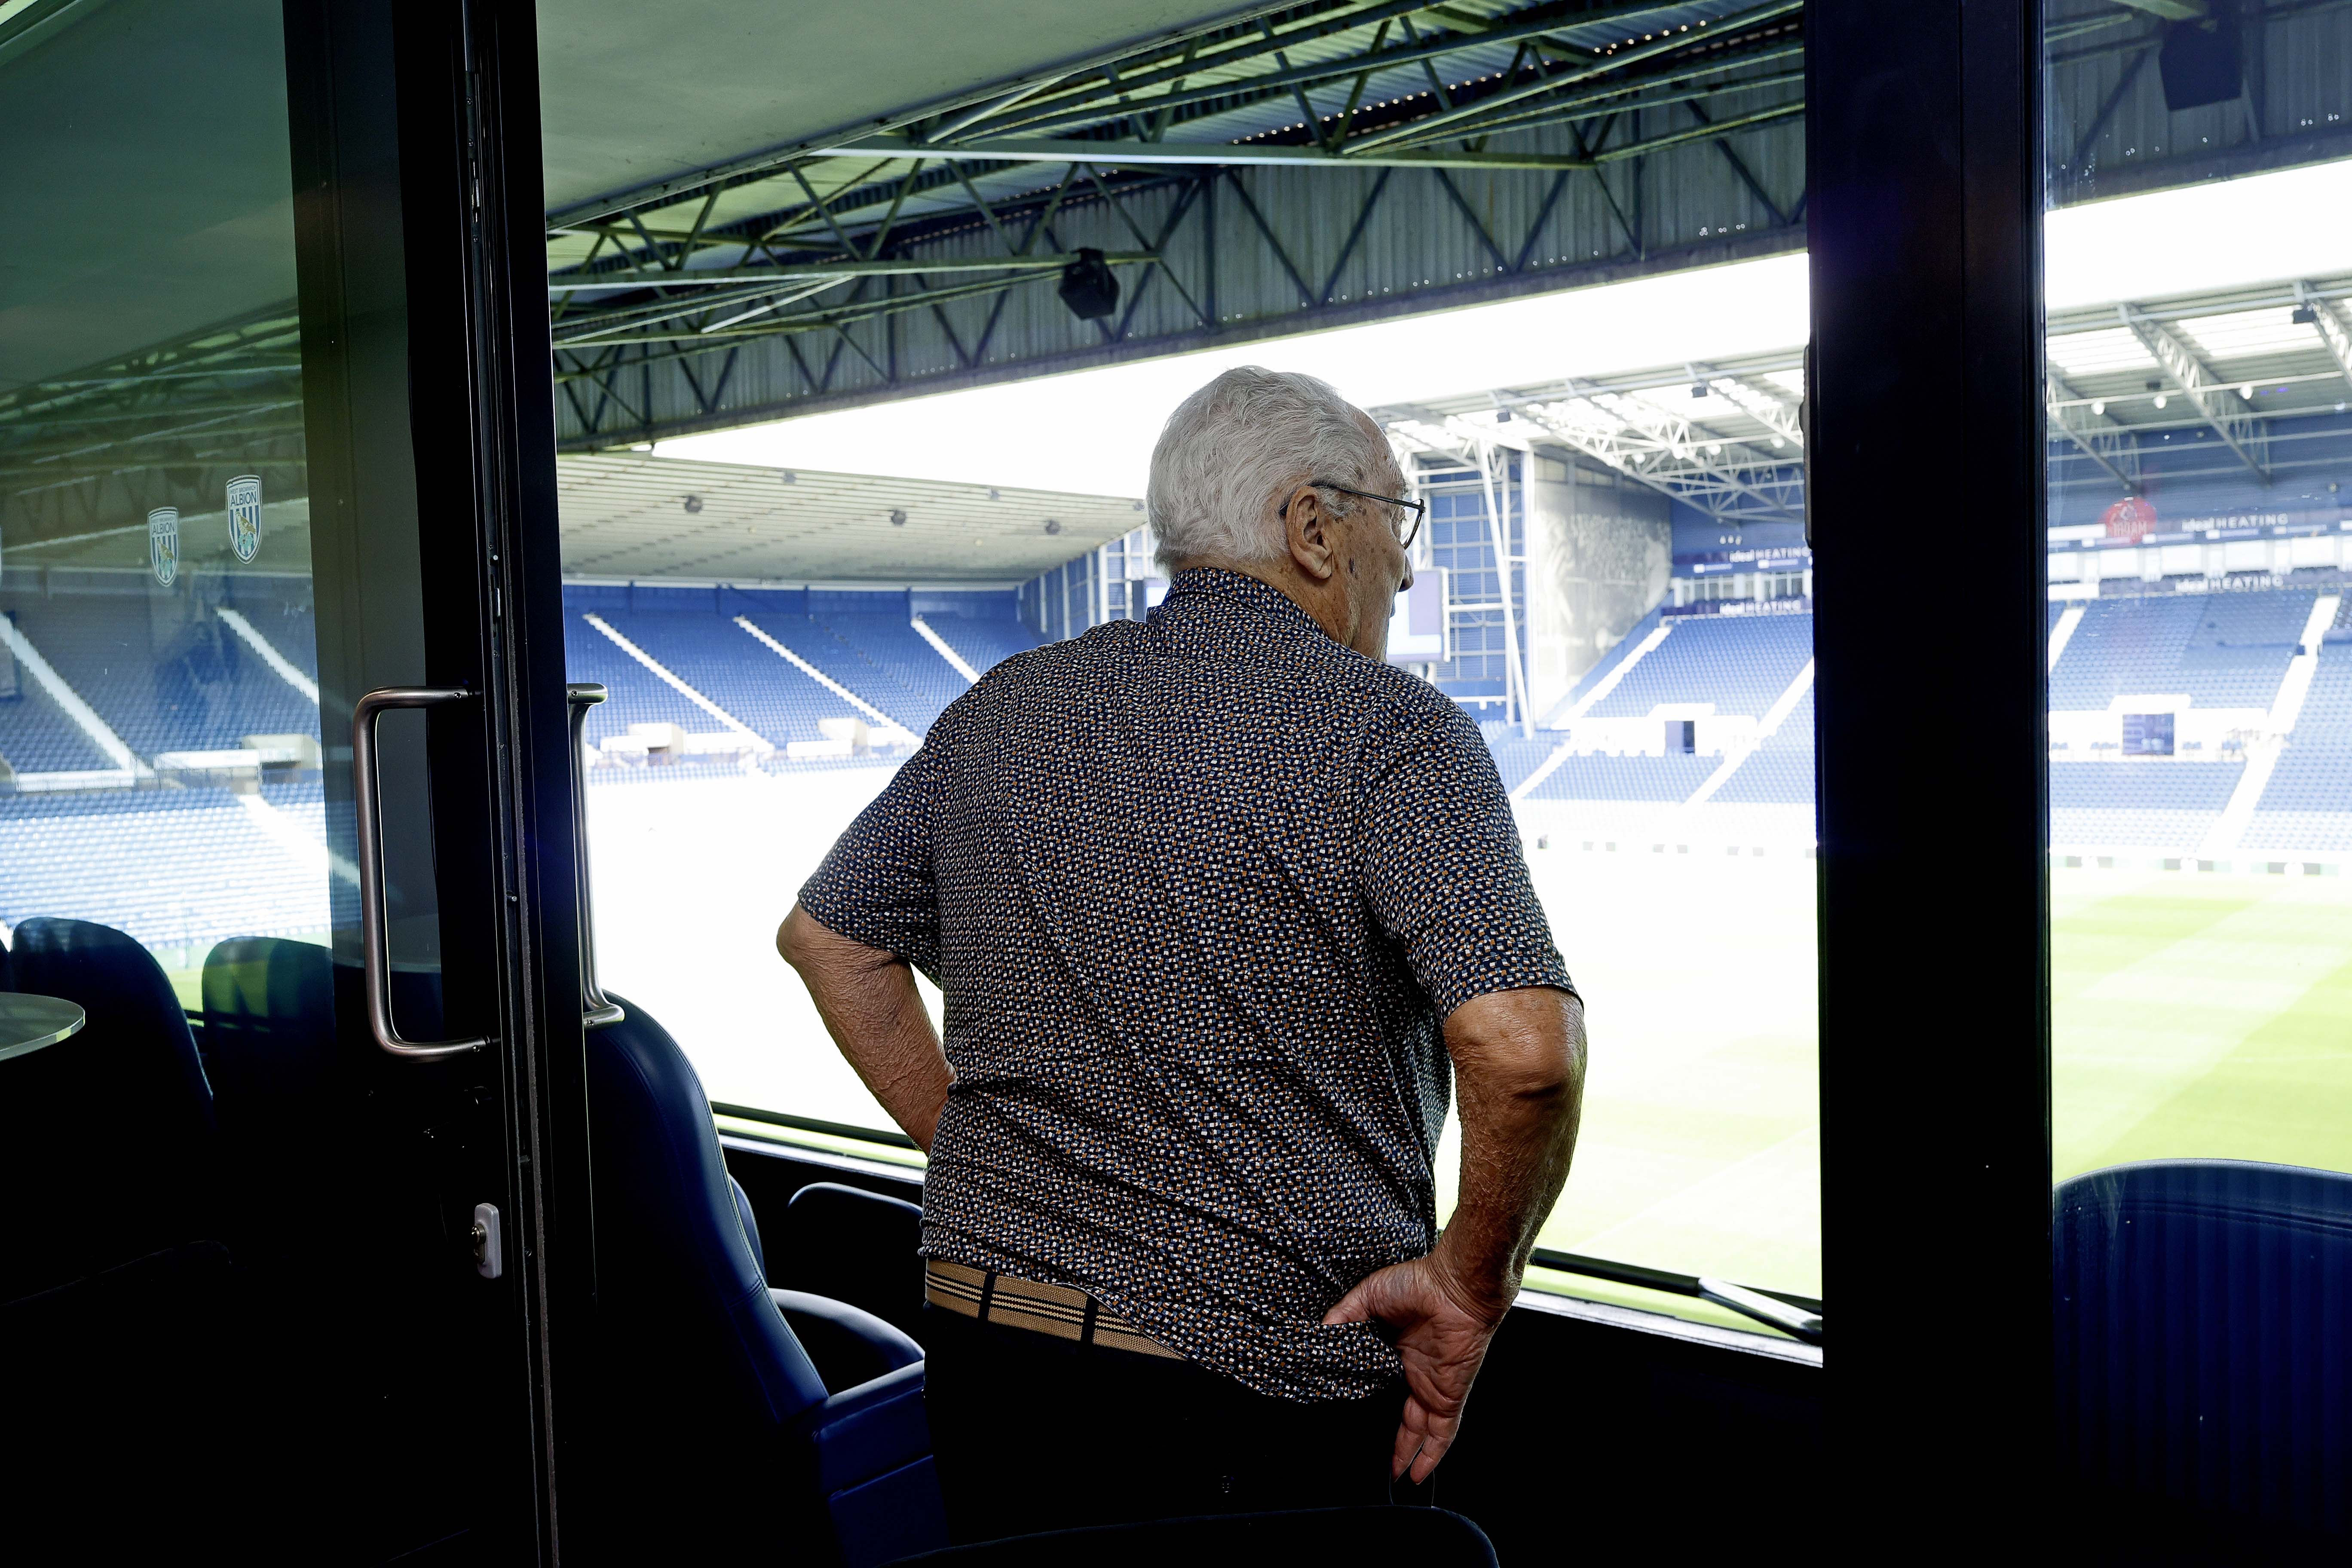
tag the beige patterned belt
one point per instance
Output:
(1062, 1310)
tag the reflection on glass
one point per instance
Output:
(2200, 654)
(159, 702)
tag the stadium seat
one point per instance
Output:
(107, 1138)
(2201, 1363)
(710, 1399)
(855, 1246)
(271, 1053)
(1424, 1537)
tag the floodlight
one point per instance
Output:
(1088, 288)
(693, 503)
(2161, 400)
(2098, 405)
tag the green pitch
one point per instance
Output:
(2199, 1014)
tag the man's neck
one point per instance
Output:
(1325, 605)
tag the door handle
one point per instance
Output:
(375, 949)
(596, 1009)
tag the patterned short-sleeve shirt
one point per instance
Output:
(1198, 891)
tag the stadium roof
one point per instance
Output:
(2217, 366)
(639, 516)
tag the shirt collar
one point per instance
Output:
(1205, 586)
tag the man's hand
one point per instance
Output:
(1442, 1337)
(1518, 1061)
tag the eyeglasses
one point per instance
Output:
(1405, 534)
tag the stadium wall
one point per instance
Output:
(1599, 550)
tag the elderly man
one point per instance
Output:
(1214, 898)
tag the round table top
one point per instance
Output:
(29, 1022)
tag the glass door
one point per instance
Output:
(275, 1240)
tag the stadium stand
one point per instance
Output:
(2224, 650)
(1780, 771)
(181, 682)
(710, 653)
(37, 736)
(1667, 778)
(182, 868)
(983, 641)
(2143, 804)
(636, 695)
(2308, 803)
(1739, 663)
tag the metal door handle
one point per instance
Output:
(596, 1009)
(375, 950)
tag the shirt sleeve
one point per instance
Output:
(878, 886)
(1443, 870)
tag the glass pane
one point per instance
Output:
(2200, 654)
(201, 1153)
(1616, 582)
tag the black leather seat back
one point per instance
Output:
(674, 1268)
(109, 1135)
(2200, 1334)
(855, 1246)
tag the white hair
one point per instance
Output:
(1234, 447)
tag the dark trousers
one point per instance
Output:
(1033, 1433)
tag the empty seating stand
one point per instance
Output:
(171, 674)
(2307, 804)
(2222, 651)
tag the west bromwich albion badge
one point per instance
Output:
(163, 542)
(245, 515)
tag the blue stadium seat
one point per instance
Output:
(982, 642)
(107, 1143)
(172, 868)
(2144, 805)
(715, 1411)
(1778, 772)
(1740, 663)
(1666, 778)
(2307, 804)
(181, 681)
(2224, 650)
(2202, 1358)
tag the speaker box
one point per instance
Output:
(2203, 61)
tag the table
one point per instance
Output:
(29, 1022)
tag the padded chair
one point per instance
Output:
(1425, 1536)
(2203, 1359)
(855, 1246)
(107, 1143)
(716, 1420)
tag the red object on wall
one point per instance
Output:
(2130, 517)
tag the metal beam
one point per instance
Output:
(2216, 401)
(900, 265)
(2099, 439)
(2328, 323)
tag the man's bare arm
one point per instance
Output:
(871, 1009)
(1518, 1063)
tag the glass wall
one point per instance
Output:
(2199, 297)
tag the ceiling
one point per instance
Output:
(638, 517)
(631, 94)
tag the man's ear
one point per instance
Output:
(1310, 531)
